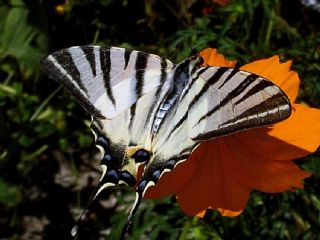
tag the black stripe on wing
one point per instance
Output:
(231, 74)
(232, 126)
(163, 78)
(90, 56)
(215, 77)
(140, 67)
(60, 67)
(64, 59)
(212, 80)
(276, 107)
(126, 56)
(105, 63)
(179, 123)
(193, 80)
(234, 93)
(259, 87)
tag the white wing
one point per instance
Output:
(120, 88)
(106, 81)
(223, 101)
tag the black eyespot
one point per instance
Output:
(106, 159)
(142, 185)
(170, 164)
(111, 176)
(128, 178)
(156, 175)
(103, 142)
(141, 156)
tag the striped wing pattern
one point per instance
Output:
(224, 101)
(217, 101)
(147, 110)
(106, 81)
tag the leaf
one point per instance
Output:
(10, 195)
(22, 41)
(16, 31)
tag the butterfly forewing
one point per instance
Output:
(106, 81)
(122, 90)
(224, 101)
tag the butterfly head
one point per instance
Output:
(194, 62)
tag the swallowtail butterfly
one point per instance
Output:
(147, 110)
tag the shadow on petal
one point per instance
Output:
(211, 186)
(296, 137)
(261, 172)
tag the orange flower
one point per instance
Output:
(220, 173)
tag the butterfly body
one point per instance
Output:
(127, 131)
(147, 110)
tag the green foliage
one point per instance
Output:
(10, 195)
(20, 41)
(46, 148)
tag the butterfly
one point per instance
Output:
(147, 110)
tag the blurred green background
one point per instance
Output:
(48, 164)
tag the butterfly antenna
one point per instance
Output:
(193, 51)
(132, 214)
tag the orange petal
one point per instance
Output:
(212, 58)
(171, 182)
(201, 214)
(302, 129)
(223, 212)
(211, 186)
(278, 73)
(295, 137)
(258, 171)
(261, 143)
(228, 213)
